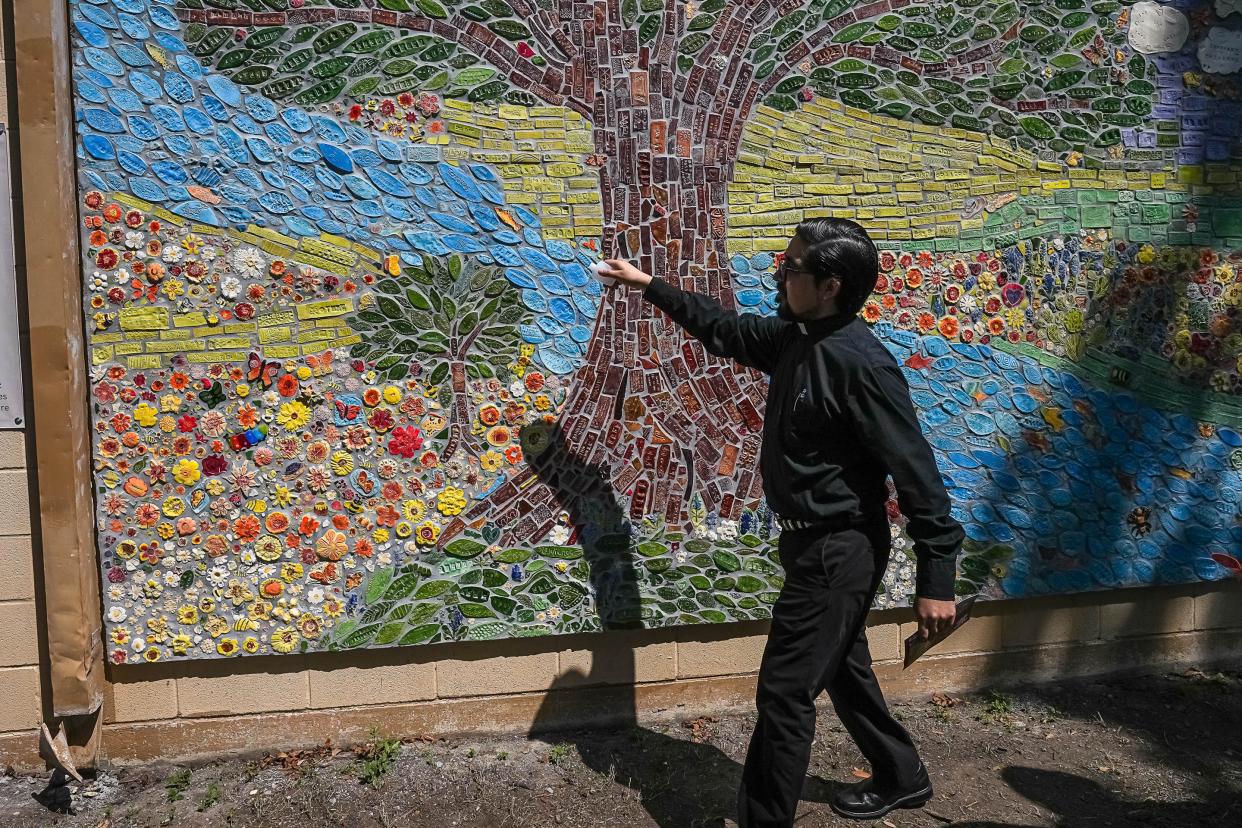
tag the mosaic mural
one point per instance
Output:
(353, 386)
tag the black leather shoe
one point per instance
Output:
(869, 800)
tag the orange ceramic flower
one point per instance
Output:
(277, 522)
(948, 327)
(331, 546)
(246, 527)
(872, 312)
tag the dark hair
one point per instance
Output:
(840, 247)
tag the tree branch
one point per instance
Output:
(549, 84)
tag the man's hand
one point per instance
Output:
(627, 274)
(934, 616)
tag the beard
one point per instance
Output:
(783, 310)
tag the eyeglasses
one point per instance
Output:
(783, 270)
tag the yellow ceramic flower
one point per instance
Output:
(342, 463)
(415, 510)
(304, 373)
(173, 507)
(227, 646)
(403, 529)
(491, 461)
(285, 639)
(290, 572)
(428, 532)
(173, 288)
(214, 487)
(1146, 254)
(145, 415)
(186, 472)
(168, 424)
(181, 643)
(187, 614)
(170, 402)
(293, 415)
(242, 389)
(392, 395)
(251, 645)
(165, 531)
(451, 501)
(380, 535)
(282, 495)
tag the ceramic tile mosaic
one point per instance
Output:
(352, 384)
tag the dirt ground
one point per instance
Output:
(1163, 750)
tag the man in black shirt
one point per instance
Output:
(839, 421)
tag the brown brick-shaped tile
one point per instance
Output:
(1050, 622)
(618, 658)
(722, 657)
(19, 641)
(373, 684)
(140, 701)
(19, 687)
(519, 673)
(1220, 607)
(14, 503)
(16, 568)
(231, 694)
(12, 450)
(1146, 614)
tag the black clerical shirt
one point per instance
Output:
(839, 421)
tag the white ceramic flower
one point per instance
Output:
(229, 287)
(134, 239)
(116, 614)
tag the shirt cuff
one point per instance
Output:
(935, 579)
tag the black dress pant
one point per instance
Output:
(818, 642)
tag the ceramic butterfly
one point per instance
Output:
(348, 408)
(212, 396)
(320, 364)
(260, 371)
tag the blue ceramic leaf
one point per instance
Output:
(196, 211)
(549, 325)
(559, 250)
(169, 117)
(538, 259)
(458, 182)
(749, 297)
(103, 62)
(126, 101)
(132, 55)
(164, 18)
(92, 34)
(102, 120)
(562, 310)
(520, 278)
(190, 67)
(452, 223)
(215, 108)
(131, 162)
(276, 202)
(274, 179)
(169, 172)
(483, 173)
(555, 362)
(507, 257)
(261, 150)
(507, 236)
(535, 301)
(492, 194)
(98, 147)
(224, 89)
(463, 244)
(134, 27)
(554, 284)
(360, 187)
(532, 334)
(147, 189)
(90, 93)
(575, 274)
(390, 150)
(99, 16)
(415, 173)
(586, 301)
(386, 181)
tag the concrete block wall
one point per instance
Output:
(257, 704)
(19, 652)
